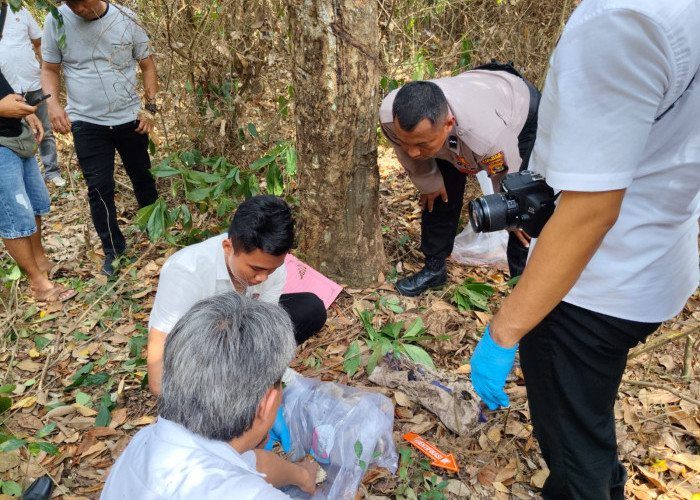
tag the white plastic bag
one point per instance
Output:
(327, 420)
(482, 249)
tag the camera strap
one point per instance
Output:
(3, 15)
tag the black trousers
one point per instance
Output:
(95, 146)
(307, 312)
(573, 363)
(439, 227)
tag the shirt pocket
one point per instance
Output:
(122, 55)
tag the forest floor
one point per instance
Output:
(80, 364)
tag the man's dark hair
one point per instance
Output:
(416, 101)
(262, 222)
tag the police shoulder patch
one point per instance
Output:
(495, 164)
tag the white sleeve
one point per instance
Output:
(608, 76)
(33, 27)
(178, 290)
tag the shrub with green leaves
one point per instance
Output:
(212, 185)
(391, 338)
(472, 295)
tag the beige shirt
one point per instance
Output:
(490, 108)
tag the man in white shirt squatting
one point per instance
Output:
(221, 389)
(248, 260)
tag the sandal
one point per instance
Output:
(57, 293)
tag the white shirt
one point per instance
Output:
(618, 65)
(198, 272)
(17, 59)
(166, 461)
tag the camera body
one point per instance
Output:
(525, 202)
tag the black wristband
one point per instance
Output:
(151, 107)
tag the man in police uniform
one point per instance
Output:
(444, 129)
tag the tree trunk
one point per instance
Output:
(336, 74)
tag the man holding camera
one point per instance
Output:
(618, 137)
(444, 129)
(98, 47)
(222, 388)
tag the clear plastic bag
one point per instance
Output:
(482, 249)
(327, 420)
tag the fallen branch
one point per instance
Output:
(673, 391)
(663, 340)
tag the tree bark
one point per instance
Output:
(335, 75)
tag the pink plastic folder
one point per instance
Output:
(303, 278)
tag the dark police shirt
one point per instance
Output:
(9, 127)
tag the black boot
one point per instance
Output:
(433, 274)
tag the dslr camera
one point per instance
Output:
(525, 202)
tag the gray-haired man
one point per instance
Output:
(220, 392)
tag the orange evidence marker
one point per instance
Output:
(440, 459)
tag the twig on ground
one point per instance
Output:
(661, 386)
(664, 339)
(688, 358)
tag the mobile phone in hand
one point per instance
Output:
(37, 100)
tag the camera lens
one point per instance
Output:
(493, 212)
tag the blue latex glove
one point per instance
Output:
(279, 433)
(491, 364)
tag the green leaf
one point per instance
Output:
(275, 182)
(5, 404)
(83, 399)
(414, 328)
(252, 130)
(14, 274)
(291, 161)
(12, 444)
(392, 330)
(164, 169)
(395, 308)
(143, 215)
(87, 368)
(49, 448)
(41, 342)
(358, 448)
(7, 388)
(366, 318)
(97, 378)
(373, 360)
(103, 417)
(262, 162)
(11, 488)
(362, 464)
(197, 195)
(418, 355)
(352, 359)
(46, 430)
